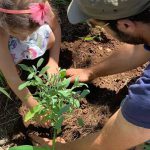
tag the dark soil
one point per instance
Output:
(106, 93)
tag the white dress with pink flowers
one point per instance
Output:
(33, 47)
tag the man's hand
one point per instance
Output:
(84, 75)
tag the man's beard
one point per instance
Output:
(123, 37)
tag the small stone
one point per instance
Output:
(108, 50)
(100, 48)
(85, 111)
(94, 42)
(3, 141)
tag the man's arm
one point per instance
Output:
(117, 134)
(126, 58)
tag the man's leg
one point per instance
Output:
(119, 134)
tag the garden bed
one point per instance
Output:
(104, 99)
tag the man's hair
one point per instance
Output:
(141, 17)
(15, 21)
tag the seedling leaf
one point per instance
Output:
(76, 103)
(24, 85)
(89, 38)
(24, 67)
(85, 93)
(62, 73)
(80, 122)
(65, 93)
(64, 109)
(66, 82)
(58, 124)
(4, 92)
(39, 80)
(44, 70)
(40, 62)
(31, 75)
(32, 113)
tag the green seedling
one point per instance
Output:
(57, 99)
(92, 38)
(96, 37)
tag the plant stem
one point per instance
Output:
(54, 139)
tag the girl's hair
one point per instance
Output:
(17, 21)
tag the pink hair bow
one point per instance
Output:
(40, 12)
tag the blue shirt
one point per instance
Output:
(136, 106)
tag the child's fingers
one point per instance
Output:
(40, 141)
(60, 140)
(41, 123)
(72, 79)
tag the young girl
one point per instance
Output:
(27, 29)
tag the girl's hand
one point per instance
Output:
(53, 70)
(38, 121)
(38, 141)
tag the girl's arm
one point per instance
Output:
(54, 48)
(9, 71)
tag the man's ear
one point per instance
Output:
(126, 25)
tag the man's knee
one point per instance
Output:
(119, 134)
